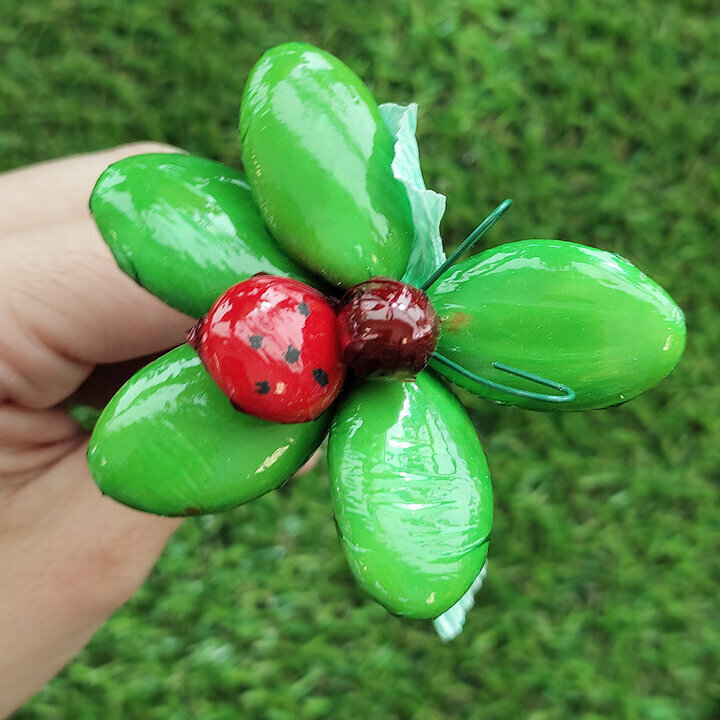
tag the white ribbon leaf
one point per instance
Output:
(427, 206)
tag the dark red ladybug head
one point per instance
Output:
(385, 327)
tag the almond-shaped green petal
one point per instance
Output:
(170, 443)
(319, 156)
(570, 313)
(185, 228)
(411, 493)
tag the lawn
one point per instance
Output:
(600, 121)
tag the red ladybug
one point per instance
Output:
(271, 345)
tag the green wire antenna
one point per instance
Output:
(567, 394)
(471, 239)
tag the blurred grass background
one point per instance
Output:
(600, 120)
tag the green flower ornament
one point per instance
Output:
(326, 305)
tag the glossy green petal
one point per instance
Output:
(411, 493)
(574, 314)
(318, 157)
(170, 443)
(185, 228)
(428, 207)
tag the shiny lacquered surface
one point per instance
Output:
(185, 228)
(271, 345)
(411, 493)
(386, 326)
(171, 443)
(318, 156)
(574, 314)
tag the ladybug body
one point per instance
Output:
(270, 343)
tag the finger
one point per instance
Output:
(20, 426)
(310, 465)
(66, 307)
(57, 192)
(20, 462)
(72, 557)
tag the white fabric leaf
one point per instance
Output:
(427, 206)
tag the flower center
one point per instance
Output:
(386, 327)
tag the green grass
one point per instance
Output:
(600, 120)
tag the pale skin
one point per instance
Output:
(69, 556)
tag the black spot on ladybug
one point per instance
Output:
(303, 309)
(320, 376)
(291, 355)
(263, 387)
(256, 341)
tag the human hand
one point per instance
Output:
(68, 556)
